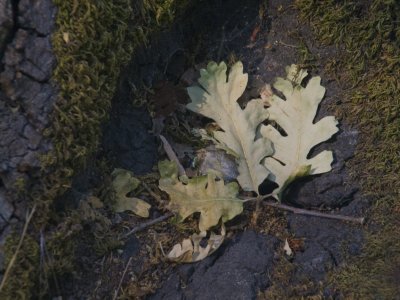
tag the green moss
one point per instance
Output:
(26, 267)
(368, 68)
(93, 41)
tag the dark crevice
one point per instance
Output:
(276, 126)
(15, 10)
(31, 77)
(11, 33)
(32, 31)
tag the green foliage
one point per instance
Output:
(370, 61)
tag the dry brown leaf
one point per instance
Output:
(190, 250)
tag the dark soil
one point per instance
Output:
(243, 268)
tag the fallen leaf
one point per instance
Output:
(66, 37)
(216, 98)
(95, 202)
(295, 116)
(287, 248)
(190, 250)
(123, 183)
(213, 199)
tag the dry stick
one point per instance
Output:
(294, 210)
(149, 223)
(122, 278)
(14, 257)
(306, 212)
(172, 156)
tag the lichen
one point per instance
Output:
(92, 42)
(367, 66)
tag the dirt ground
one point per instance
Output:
(251, 263)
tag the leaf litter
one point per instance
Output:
(259, 150)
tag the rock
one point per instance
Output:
(37, 15)
(327, 242)
(33, 137)
(39, 60)
(237, 271)
(171, 289)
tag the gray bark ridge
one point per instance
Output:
(26, 98)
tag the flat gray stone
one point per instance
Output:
(237, 271)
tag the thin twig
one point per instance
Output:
(306, 212)
(149, 223)
(286, 45)
(313, 213)
(278, 205)
(172, 156)
(14, 257)
(122, 278)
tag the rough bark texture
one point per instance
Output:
(26, 99)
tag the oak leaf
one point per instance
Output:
(123, 183)
(212, 198)
(216, 98)
(295, 116)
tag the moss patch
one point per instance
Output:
(368, 67)
(93, 40)
(26, 268)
